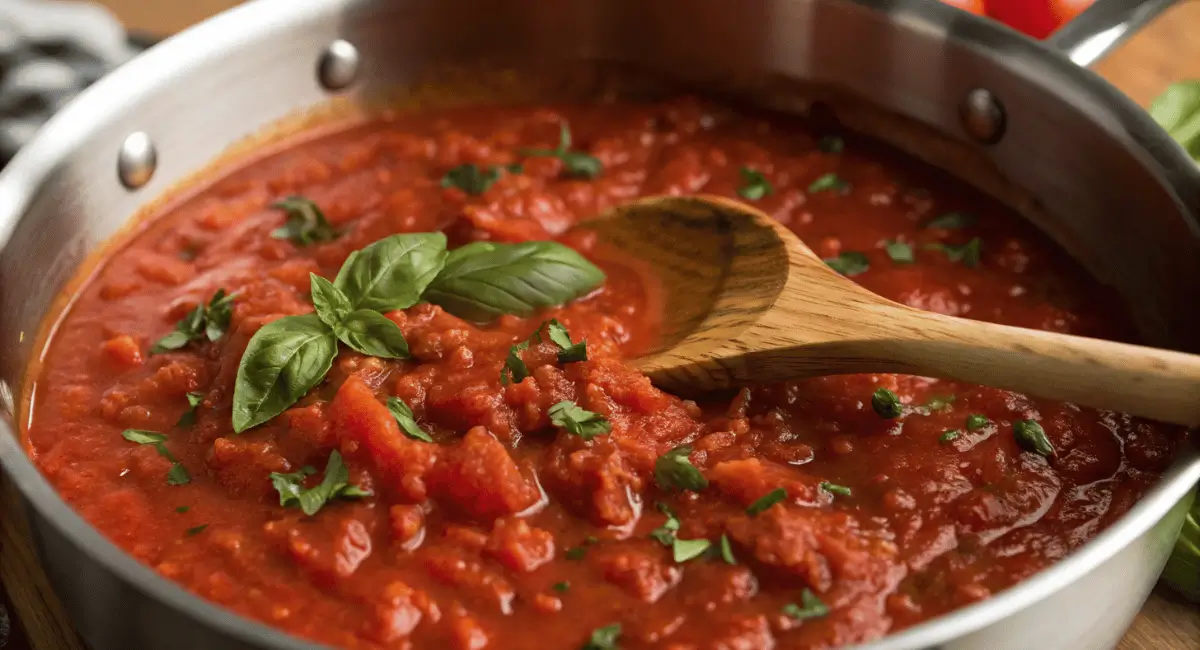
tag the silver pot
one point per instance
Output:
(1005, 112)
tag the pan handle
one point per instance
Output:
(1103, 26)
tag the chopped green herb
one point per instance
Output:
(406, 420)
(568, 352)
(182, 509)
(766, 501)
(831, 144)
(940, 403)
(472, 179)
(810, 607)
(684, 550)
(576, 553)
(305, 224)
(204, 321)
(578, 421)
(195, 530)
(604, 638)
(189, 416)
(561, 587)
(665, 534)
(675, 471)
(1032, 437)
(754, 185)
(968, 253)
(576, 164)
(830, 182)
(849, 264)
(949, 435)
(727, 550)
(178, 474)
(834, 488)
(952, 221)
(515, 371)
(886, 404)
(900, 252)
(976, 422)
(334, 485)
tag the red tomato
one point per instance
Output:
(973, 6)
(1038, 18)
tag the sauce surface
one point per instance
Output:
(507, 532)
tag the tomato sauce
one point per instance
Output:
(506, 532)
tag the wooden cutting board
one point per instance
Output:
(1166, 51)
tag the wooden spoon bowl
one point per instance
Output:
(746, 302)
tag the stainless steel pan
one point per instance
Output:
(1094, 172)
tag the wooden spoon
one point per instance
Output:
(747, 302)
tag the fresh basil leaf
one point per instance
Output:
(576, 164)
(217, 315)
(976, 421)
(483, 280)
(727, 551)
(173, 341)
(675, 471)
(578, 421)
(1177, 111)
(514, 371)
(406, 420)
(393, 272)
(900, 252)
(1032, 437)
(371, 333)
(189, 416)
(332, 305)
(949, 435)
(568, 352)
(810, 607)
(830, 182)
(968, 253)
(144, 437)
(305, 224)
(886, 404)
(754, 185)
(665, 534)
(834, 488)
(1183, 568)
(335, 484)
(604, 638)
(684, 550)
(178, 475)
(282, 362)
(472, 179)
(766, 501)
(952, 221)
(290, 485)
(203, 321)
(849, 264)
(831, 144)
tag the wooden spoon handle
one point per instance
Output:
(1152, 383)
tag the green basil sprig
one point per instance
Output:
(485, 280)
(288, 357)
(204, 321)
(576, 164)
(305, 224)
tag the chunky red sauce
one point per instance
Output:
(509, 533)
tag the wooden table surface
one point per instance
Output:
(1166, 51)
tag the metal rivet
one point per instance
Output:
(137, 160)
(338, 66)
(982, 116)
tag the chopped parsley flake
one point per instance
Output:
(834, 488)
(579, 421)
(754, 185)
(849, 264)
(976, 421)
(899, 252)
(674, 471)
(810, 607)
(886, 404)
(766, 501)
